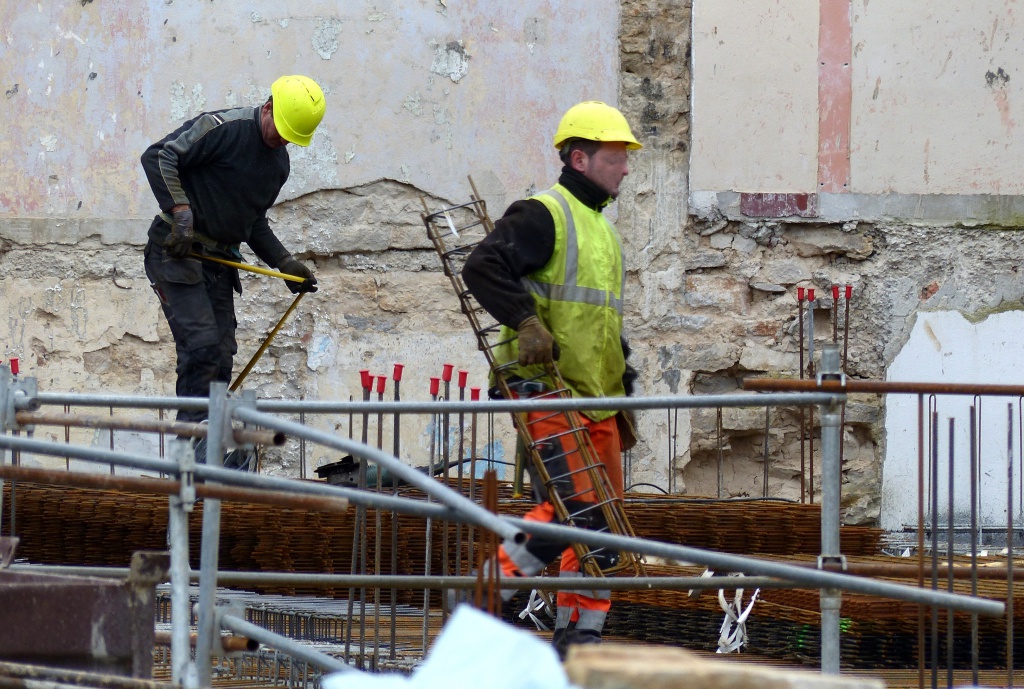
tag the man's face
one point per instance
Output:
(606, 167)
(270, 136)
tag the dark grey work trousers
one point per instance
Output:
(197, 298)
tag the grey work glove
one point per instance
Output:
(291, 266)
(536, 345)
(179, 242)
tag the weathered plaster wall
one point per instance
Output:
(419, 94)
(710, 297)
(936, 97)
(761, 52)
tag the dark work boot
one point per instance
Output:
(568, 636)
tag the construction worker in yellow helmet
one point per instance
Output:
(214, 178)
(552, 273)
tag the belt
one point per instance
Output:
(223, 247)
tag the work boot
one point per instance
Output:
(240, 459)
(569, 636)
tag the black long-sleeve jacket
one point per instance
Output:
(522, 242)
(218, 164)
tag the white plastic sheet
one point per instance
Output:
(474, 650)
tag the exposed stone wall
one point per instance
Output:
(711, 301)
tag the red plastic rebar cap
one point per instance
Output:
(381, 382)
(810, 295)
(397, 375)
(835, 292)
(435, 384)
(14, 365)
(474, 394)
(446, 372)
(849, 291)
(799, 293)
(463, 375)
(366, 379)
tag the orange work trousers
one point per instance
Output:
(604, 436)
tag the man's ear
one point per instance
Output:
(578, 160)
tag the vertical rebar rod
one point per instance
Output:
(357, 526)
(981, 493)
(764, 491)
(210, 547)
(949, 554)
(397, 447)
(474, 395)
(434, 384)
(974, 545)
(935, 543)
(378, 531)
(721, 467)
(810, 410)
(920, 540)
(461, 474)
(1009, 545)
(673, 446)
(67, 438)
(446, 377)
(111, 443)
(803, 428)
(302, 444)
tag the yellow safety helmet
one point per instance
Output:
(595, 121)
(299, 106)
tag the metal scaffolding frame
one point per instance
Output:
(21, 395)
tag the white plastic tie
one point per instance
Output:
(733, 633)
(535, 605)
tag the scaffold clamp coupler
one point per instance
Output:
(182, 453)
(825, 560)
(20, 394)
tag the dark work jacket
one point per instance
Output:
(218, 164)
(522, 242)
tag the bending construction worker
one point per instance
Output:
(552, 270)
(214, 178)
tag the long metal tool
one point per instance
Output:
(248, 268)
(266, 342)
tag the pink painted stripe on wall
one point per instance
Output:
(835, 95)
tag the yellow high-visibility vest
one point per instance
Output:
(578, 296)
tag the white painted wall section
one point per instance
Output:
(943, 346)
(755, 96)
(938, 95)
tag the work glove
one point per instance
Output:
(291, 266)
(179, 243)
(536, 345)
(626, 422)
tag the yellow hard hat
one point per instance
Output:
(299, 106)
(595, 121)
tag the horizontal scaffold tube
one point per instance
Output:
(282, 643)
(452, 407)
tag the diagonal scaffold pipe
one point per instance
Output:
(456, 501)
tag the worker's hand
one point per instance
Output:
(536, 346)
(179, 243)
(292, 266)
